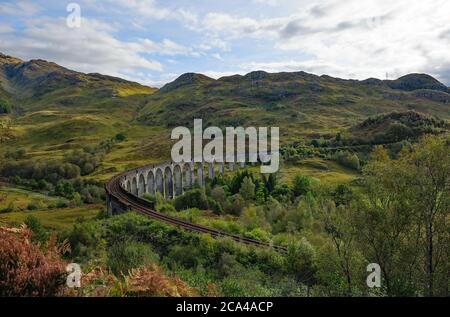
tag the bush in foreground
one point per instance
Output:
(25, 270)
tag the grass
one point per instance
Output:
(53, 219)
(323, 170)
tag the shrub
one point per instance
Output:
(50, 171)
(397, 132)
(62, 203)
(189, 256)
(218, 194)
(300, 261)
(348, 160)
(15, 155)
(120, 137)
(342, 195)
(151, 281)
(150, 198)
(282, 193)
(25, 270)
(86, 240)
(247, 189)
(215, 206)
(236, 181)
(91, 194)
(260, 194)
(4, 107)
(258, 234)
(32, 206)
(165, 208)
(146, 281)
(247, 283)
(124, 256)
(84, 159)
(39, 233)
(270, 183)
(10, 208)
(195, 198)
(236, 205)
(302, 185)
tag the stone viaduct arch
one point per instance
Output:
(168, 182)
(151, 183)
(171, 179)
(141, 185)
(178, 180)
(159, 182)
(200, 173)
(134, 188)
(188, 176)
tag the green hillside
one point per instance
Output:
(49, 110)
(301, 104)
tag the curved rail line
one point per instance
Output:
(113, 188)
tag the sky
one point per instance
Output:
(155, 41)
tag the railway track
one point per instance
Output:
(144, 207)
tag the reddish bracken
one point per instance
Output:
(147, 281)
(27, 269)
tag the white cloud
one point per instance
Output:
(217, 56)
(150, 9)
(19, 8)
(350, 39)
(165, 47)
(5, 28)
(219, 74)
(90, 48)
(272, 3)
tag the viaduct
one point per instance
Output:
(170, 179)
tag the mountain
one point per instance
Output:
(413, 82)
(298, 102)
(38, 84)
(397, 126)
(53, 109)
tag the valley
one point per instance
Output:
(347, 147)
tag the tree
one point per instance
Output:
(300, 261)
(282, 193)
(302, 185)
(236, 181)
(270, 182)
(124, 256)
(247, 189)
(39, 233)
(337, 224)
(194, 198)
(120, 137)
(429, 179)
(397, 132)
(342, 195)
(405, 218)
(260, 194)
(4, 107)
(236, 205)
